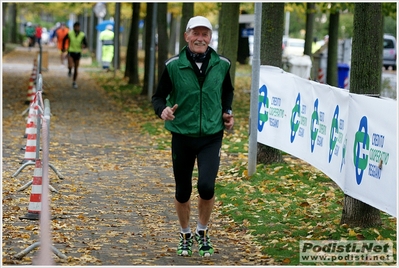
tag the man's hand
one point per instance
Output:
(167, 113)
(228, 120)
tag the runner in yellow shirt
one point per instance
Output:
(77, 41)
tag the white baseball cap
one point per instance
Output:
(199, 21)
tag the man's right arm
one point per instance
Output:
(64, 41)
(163, 90)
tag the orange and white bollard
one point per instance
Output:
(31, 141)
(346, 83)
(320, 76)
(31, 91)
(30, 123)
(34, 70)
(35, 202)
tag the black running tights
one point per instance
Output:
(185, 150)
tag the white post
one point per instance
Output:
(287, 24)
(253, 117)
(100, 10)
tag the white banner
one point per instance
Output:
(371, 170)
(320, 124)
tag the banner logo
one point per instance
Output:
(333, 133)
(361, 144)
(314, 125)
(294, 117)
(263, 105)
(343, 155)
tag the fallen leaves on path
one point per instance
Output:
(115, 203)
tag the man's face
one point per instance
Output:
(198, 39)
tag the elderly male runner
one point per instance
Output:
(194, 97)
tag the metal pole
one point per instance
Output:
(85, 28)
(253, 117)
(91, 32)
(44, 257)
(38, 124)
(39, 63)
(287, 24)
(152, 52)
(98, 47)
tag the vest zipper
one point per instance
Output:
(206, 74)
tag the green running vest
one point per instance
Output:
(200, 109)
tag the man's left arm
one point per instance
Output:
(227, 100)
(227, 93)
(84, 42)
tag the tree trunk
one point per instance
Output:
(358, 214)
(310, 13)
(187, 13)
(332, 58)
(228, 34)
(365, 78)
(147, 46)
(4, 20)
(173, 38)
(117, 43)
(13, 23)
(163, 36)
(270, 54)
(366, 59)
(132, 62)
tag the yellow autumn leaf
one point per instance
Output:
(352, 232)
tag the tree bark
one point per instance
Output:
(13, 23)
(366, 59)
(173, 38)
(228, 34)
(132, 61)
(358, 214)
(147, 46)
(117, 43)
(4, 20)
(310, 14)
(271, 54)
(162, 36)
(365, 78)
(187, 13)
(332, 58)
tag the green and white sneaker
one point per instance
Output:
(185, 245)
(205, 247)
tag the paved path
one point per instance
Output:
(115, 204)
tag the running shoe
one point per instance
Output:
(205, 247)
(185, 244)
(74, 85)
